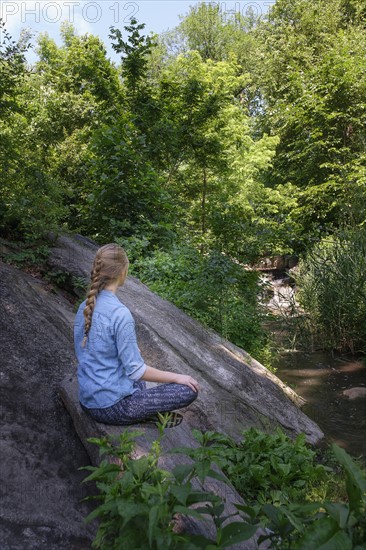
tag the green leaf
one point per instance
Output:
(324, 534)
(101, 470)
(128, 509)
(101, 510)
(198, 435)
(202, 469)
(248, 510)
(355, 478)
(351, 467)
(140, 466)
(272, 513)
(181, 492)
(296, 522)
(235, 533)
(153, 520)
(340, 541)
(340, 512)
(285, 469)
(299, 483)
(181, 471)
(127, 481)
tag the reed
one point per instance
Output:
(331, 292)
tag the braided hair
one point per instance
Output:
(109, 263)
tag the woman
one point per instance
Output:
(112, 374)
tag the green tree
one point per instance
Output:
(217, 163)
(213, 33)
(134, 52)
(137, 53)
(12, 68)
(44, 152)
(29, 197)
(220, 36)
(311, 72)
(79, 89)
(124, 192)
(80, 66)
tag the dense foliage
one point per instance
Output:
(210, 287)
(224, 140)
(333, 292)
(139, 502)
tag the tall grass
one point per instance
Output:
(331, 283)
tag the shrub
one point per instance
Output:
(325, 524)
(268, 468)
(139, 501)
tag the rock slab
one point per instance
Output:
(237, 392)
(41, 490)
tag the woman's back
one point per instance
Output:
(111, 360)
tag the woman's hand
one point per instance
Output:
(154, 375)
(187, 381)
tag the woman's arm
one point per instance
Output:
(156, 375)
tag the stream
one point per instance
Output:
(321, 378)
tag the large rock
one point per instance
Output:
(355, 393)
(40, 452)
(236, 393)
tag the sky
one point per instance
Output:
(95, 17)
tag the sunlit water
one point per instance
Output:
(321, 379)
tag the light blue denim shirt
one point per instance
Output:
(111, 359)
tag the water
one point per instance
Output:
(321, 379)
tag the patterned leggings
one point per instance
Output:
(144, 403)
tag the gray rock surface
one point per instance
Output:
(40, 450)
(236, 392)
(40, 491)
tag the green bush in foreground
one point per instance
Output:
(140, 501)
(270, 468)
(326, 525)
(139, 505)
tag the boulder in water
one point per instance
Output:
(355, 393)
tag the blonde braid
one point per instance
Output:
(110, 263)
(96, 286)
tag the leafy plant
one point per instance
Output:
(140, 500)
(58, 278)
(210, 287)
(326, 525)
(265, 468)
(28, 254)
(79, 283)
